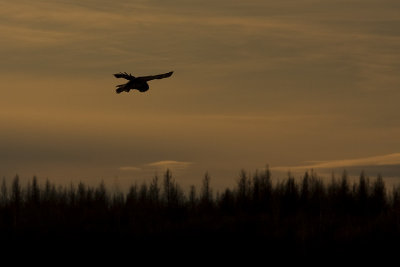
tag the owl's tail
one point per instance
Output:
(121, 88)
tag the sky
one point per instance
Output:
(292, 84)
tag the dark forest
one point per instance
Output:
(300, 216)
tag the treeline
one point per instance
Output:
(303, 214)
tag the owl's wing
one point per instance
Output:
(124, 75)
(153, 77)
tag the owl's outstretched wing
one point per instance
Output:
(124, 75)
(153, 77)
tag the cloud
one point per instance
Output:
(382, 160)
(163, 164)
(170, 164)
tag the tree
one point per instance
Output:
(49, 194)
(256, 191)
(344, 189)
(192, 197)
(227, 202)
(154, 191)
(378, 195)
(206, 193)
(132, 196)
(266, 189)
(168, 186)
(143, 195)
(362, 193)
(290, 194)
(81, 194)
(35, 193)
(16, 199)
(243, 190)
(100, 195)
(4, 193)
(305, 189)
(71, 195)
(16, 195)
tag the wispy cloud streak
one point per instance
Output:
(163, 164)
(390, 159)
(170, 164)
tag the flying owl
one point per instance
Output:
(139, 83)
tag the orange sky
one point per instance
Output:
(255, 82)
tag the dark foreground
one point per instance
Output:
(303, 220)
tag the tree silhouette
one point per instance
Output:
(4, 192)
(154, 192)
(16, 199)
(35, 194)
(290, 195)
(243, 190)
(168, 187)
(305, 189)
(305, 216)
(206, 193)
(378, 198)
(362, 192)
(192, 198)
